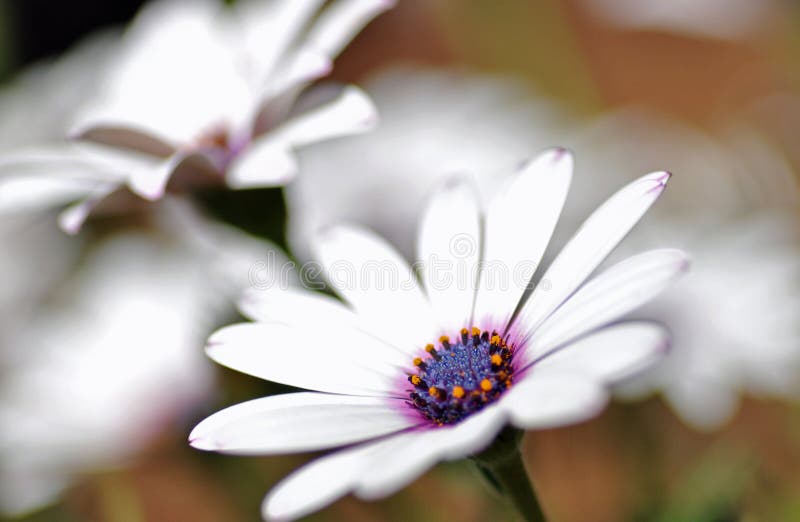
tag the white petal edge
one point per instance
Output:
(293, 306)
(611, 354)
(266, 162)
(519, 223)
(319, 482)
(269, 30)
(590, 245)
(297, 422)
(405, 463)
(449, 246)
(609, 296)
(352, 112)
(315, 357)
(378, 283)
(342, 21)
(302, 307)
(150, 182)
(547, 399)
(72, 218)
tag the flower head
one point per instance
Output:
(209, 94)
(408, 373)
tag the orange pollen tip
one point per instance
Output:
(464, 331)
(417, 361)
(476, 331)
(444, 339)
(497, 360)
(458, 392)
(429, 348)
(433, 391)
(495, 339)
(415, 380)
(486, 385)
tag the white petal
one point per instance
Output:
(292, 306)
(40, 193)
(266, 162)
(298, 422)
(339, 23)
(300, 308)
(315, 357)
(407, 462)
(612, 294)
(269, 30)
(380, 468)
(304, 66)
(519, 222)
(71, 219)
(319, 483)
(449, 250)
(611, 354)
(547, 400)
(370, 275)
(151, 182)
(175, 77)
(596, 238)
(45, 177)
(351, 112)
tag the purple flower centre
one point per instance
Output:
(461, 377)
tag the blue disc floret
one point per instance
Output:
(462, 376)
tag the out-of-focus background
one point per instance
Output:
(708, 89)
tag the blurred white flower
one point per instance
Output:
(408, 373)
(113, 355)
(433, 124)
(734, 317)
(727, 19)
(207, 92)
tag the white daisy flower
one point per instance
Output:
(408, 373)
(209, 91)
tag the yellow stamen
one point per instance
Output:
(496, 359)
(458, 392)
(495, 339)
(444, 339)
(486, 385)
(464, 331)
(476, 332)
(417, 361)
(415, 380)
(429, 348)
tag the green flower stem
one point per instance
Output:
(501, 463)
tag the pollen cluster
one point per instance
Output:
(461, 376)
